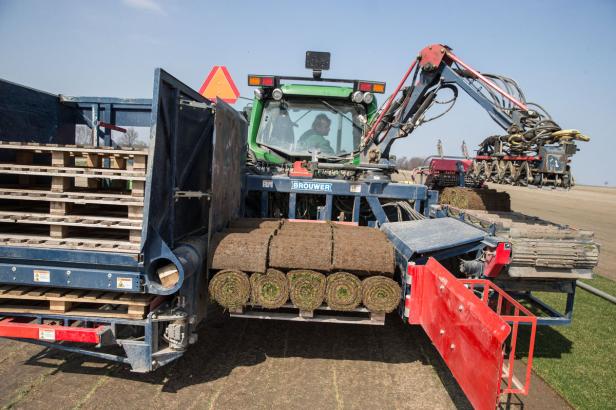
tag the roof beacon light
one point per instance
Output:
(261, 80)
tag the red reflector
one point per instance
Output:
(365, 87)
(267, 81)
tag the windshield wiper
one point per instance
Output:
(337, 111)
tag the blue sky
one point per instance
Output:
(562, 53)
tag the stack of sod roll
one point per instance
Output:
(266, 263)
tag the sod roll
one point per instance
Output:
(363, 251)
(380, 294)
(478, 199)
(270, 290)
(240, 251)
(343, 291)
(230, 288)
(320, 227)
(306, 289)
(300, 252)
(255, 223)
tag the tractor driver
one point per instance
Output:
(314, 138)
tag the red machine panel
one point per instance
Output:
(466, 324)
(11, 327)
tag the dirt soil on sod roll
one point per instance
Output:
(240, 251)
(300, 252)
(255, 223)
(475, 198)
(363, 252)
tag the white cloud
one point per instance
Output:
(146, 5)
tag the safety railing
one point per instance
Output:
(516, 315)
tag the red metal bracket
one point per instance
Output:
(449, 165)
(468, 322)
(111, 126)
(498, 259)
(10, 327)
(432, 56)
(299, 170)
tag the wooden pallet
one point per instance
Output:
(83, 198)
(82, 163)
(73, 148)
(89, 244)
(70, 220)
(59, 222)
(64, 171)
(360, 315)
(68, 209)
(23, 299)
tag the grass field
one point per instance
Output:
(579, 360)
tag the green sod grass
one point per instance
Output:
(579, 360)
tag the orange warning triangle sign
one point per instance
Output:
(219, 84)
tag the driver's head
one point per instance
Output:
(321, 124)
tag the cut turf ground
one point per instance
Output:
(579, 361)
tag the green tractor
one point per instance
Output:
(308, 119)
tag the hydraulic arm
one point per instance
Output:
(534, 150)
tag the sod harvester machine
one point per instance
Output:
(112, 245)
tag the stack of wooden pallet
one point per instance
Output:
(539, 243)
(71, 196)
(77, 302)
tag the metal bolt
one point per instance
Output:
(109, 275)
(442, 332)
(452, 346)
(13, 268)
(441, 288)
(68, 273)
(460, 308)
(68, 282)
(14, 278)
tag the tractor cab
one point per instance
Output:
(299, 118)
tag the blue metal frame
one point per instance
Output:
(554, 317)
(133, 112)
(187, 197)
(142, 355)
(371, 190)
(167, 224)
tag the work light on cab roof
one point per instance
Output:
(317, 61)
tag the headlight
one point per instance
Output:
(368, 98)
(357, 97)
(277, 94)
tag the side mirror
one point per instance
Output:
(247, 111)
